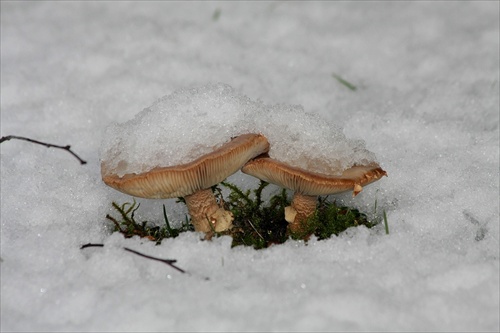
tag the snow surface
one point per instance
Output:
(426, 104)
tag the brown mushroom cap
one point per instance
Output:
(310, 183)
(185, 179)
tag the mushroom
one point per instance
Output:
(309, 185)
(193, 181)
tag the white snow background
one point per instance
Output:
(426, 103)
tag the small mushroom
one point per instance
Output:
(193, 181)
(309, 185)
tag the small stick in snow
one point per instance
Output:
(169, 262)
(90, 245)
(48, 145)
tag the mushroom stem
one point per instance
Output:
(302, 207)
(206, 214)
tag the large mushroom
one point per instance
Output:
(193, 180)
(309, 185)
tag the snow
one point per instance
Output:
(190, 123)
(426, 104)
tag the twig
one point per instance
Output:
(169, 262)
(90, 245)
(258, 233)
(48, 145)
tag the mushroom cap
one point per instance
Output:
(311, 183)
(185, 179)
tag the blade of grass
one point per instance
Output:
(344, 82)
(167, 224)
(386, 224)
(216, 14)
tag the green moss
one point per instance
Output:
(331, 219)
(256, 223)
(129, 227)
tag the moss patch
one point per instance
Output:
(256, 223)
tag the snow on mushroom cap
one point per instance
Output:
(176, 129)
(310, 142)
(189, 123)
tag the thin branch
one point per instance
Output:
(258, 233)
(48, 145)
(90, 245)
(169, 262)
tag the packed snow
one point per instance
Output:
(425, 103)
